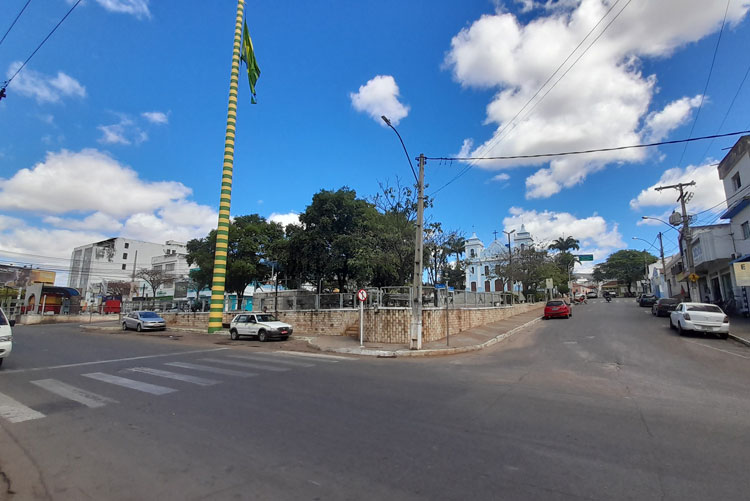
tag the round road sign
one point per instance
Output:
(362, 295)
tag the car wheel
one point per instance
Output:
(545, 318)
(124, 326)
(138, 327)
(671, 325)
(285, 338)
(724, 335)
(262, 336)
(680, 330)
(1, 362)
(233, 335)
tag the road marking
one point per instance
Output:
(264, 358)
(718, 349)
(208, 368)
(15, 412)
(250, 365)
(570, 342)
(79, 395)
(130, 383)
(173, 375)
(311, 355)
(83, 364)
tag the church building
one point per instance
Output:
(481, 262)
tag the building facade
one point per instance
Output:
(481, 263)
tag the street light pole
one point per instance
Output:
(687, 235)
(415, 330)
(510, 264)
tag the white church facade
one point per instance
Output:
(481, 262)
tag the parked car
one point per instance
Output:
(699, 317)
(662, 307)
(592, 295)
(646, 300)
(638, 298)
(6, 336)
(143, 320)
(557, 308)
(263, 325)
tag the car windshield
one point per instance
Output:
(149, 314)
(554, 303)
(704, 307)
(266, 318)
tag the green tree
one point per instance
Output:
(250, 244)
(627, 266)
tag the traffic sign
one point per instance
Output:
(585, 257)
(362, 295)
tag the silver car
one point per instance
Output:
(143, 320)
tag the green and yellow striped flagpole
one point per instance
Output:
(215, 316)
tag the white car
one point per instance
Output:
(699, 317)
(263, 325)
(6, 336)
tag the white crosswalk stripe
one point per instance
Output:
(250, 365)
(208, 368)
(130, 383)
(79, 395)
(319, 356)
(15, 412)
(265, 358)
(174, 375)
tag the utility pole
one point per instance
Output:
(683, 199)
(510, 264)
(416, 310)
(664, 267)
(132, 280)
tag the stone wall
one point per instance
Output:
(35, 319)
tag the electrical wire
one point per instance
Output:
(705, 88)
(499, 137)
(14, 21)
(7, 82)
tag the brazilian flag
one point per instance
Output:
(248, 55)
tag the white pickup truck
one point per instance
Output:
(263, 325)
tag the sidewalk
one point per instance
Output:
(465, 341)
(739, 329)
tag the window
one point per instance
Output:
(124, 255)
(124, 266)
(472, 270)
(127, 245)
(746, 230)
(157, 267)
(472, 253)
(169, 267)
(736, 181)
(486, 271)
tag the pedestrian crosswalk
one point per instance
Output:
(231, 365)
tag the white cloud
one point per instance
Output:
(96, 221)
(501, 177)
(594, 234)
(156, 117)
(285, 219)
(660, 123)
(44, 88)
(124, 132)
(603, 101)
(379, 96)
(708, 190)
(138, 8)
(84, 182)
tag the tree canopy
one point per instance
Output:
(626, 266)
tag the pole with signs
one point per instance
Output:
(362, 296)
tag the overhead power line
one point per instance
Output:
(7, 82)
(576, 152)
(14, 21)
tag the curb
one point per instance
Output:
(429, 352)
(739, 339)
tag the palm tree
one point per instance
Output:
(565, 244)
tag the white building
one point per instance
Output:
(481, 262)
(94, 265)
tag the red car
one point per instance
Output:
(557, 308)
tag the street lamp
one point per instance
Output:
(416, 309)
(645, 266)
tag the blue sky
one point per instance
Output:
(116, 126)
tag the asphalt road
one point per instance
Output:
(609, 404)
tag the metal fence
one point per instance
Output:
(384, 297)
